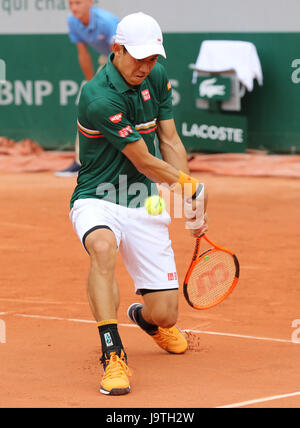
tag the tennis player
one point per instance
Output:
(93, 27)
(121, 110)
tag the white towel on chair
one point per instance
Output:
(224, 55)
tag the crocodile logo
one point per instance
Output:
(207, 88)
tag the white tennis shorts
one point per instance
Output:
(143, 240)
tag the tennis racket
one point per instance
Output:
(212, 275)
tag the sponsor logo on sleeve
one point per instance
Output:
(116, 118)
(125, 131)
(146, 95)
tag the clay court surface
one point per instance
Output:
(242, 352)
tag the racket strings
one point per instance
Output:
(211, 278)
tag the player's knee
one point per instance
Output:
(103, 254)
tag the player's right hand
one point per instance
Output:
(197, 225)
(196, 218)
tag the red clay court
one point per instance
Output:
(242, 352)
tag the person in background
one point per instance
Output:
(89, 26)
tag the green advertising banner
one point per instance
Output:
(41, 81)
(210, 132)
(39, 98)
(272, 110)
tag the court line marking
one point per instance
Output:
(215, 333)
(42, 302)
(242, 336)
(46, 317)
(258, 400)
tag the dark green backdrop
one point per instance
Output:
(272, 110)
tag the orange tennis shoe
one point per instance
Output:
(170, 339)
(116, 372)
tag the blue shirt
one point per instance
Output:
(98, 34)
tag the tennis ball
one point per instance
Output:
(155, 205)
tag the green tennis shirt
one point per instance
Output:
(111, 115)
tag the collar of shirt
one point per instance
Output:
(116, 79)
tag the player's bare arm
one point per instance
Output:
(171, 147)
(173, 150)
(85, 61)
(156, 169)
(161, 171)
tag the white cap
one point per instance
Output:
(141, 35)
